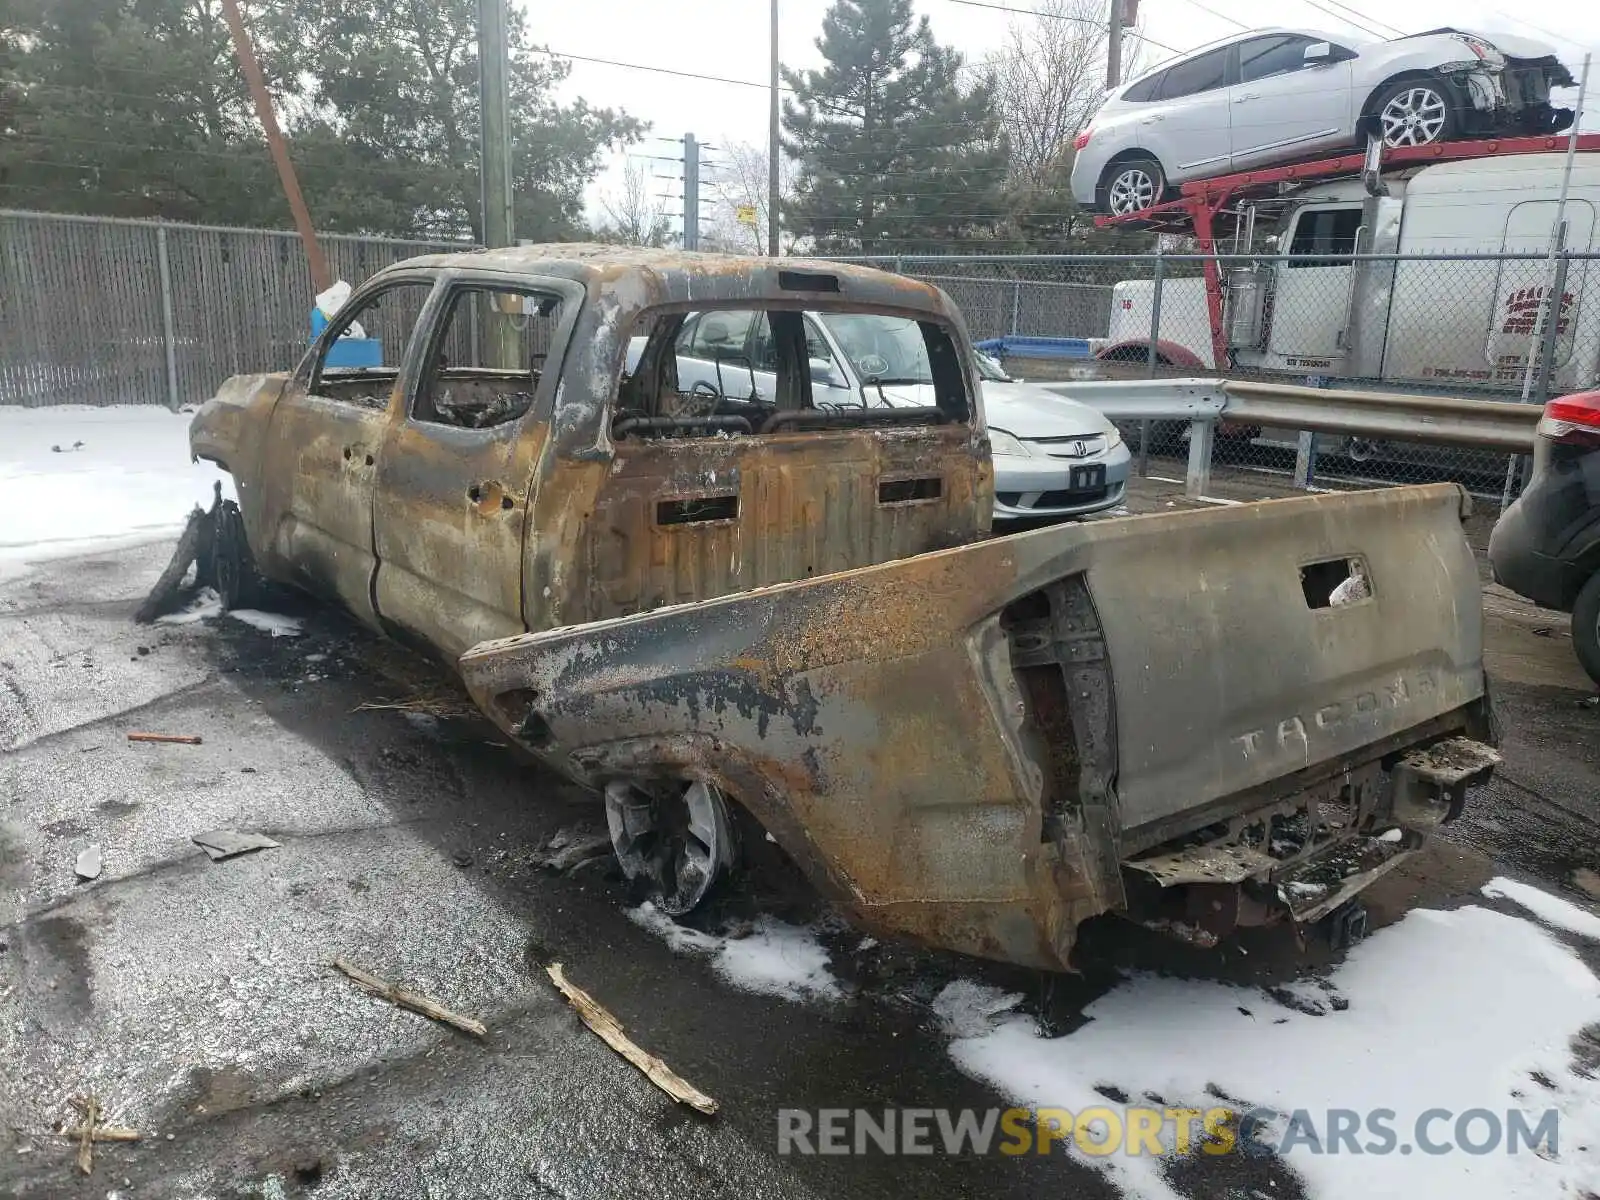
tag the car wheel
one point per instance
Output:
(1415, 112)
(1586, 627)
(238, 582)
(1132, 186)
(675, 837)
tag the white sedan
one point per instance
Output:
(1278, 95)
(1054, 458)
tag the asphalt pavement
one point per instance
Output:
(196, 1000)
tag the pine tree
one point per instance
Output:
(895, 156)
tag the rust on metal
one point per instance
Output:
(976, 742)
(982, 747)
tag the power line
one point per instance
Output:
(1344, 20)
(611, 62)
(1398, 32)
(1219, 15)
(1048, 16)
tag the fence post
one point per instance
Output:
(1016, 305)
(1202, 439)
(1551, 333)
(168, 337)
(1150, 366)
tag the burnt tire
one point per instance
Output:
(1416, 112)
(1131, 186)
(1586, 627)
(674, 838)
(238, 582)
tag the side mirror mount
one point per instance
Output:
(1319, 54)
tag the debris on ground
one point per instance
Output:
(1587, 881)
(89, 1130)
(569, 848)
(194, 548)
(88, 864)
(179, 739)
(228, 843)
(610, 1032)
(203, 605)
(404, 998)
(440, 705)
(275, 624)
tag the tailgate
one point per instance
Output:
(889, 720)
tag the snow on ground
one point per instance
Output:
(205, 604)
(773, 958)
(1552, 910)
(1452, 1010)
(276, 624)
(121, 475)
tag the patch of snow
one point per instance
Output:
(205, 604)
(130, 481)
(1391, 835)
(276, 624)
(1452, 1010)
(773, 959)
(1552, 910)
(968, 1009)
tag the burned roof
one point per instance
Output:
(645, 277)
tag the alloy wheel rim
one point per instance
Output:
(1132, 191)
(1414, 117)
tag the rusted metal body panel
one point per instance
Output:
(973, 747)
(450, 536)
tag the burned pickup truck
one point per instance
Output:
(721, 602)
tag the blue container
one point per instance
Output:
(347, 351)
(1036, 347)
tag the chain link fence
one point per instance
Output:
(103, 311)
(95, 310)
(1501, 327)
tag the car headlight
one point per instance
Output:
(1113, 437)
(1002, 442)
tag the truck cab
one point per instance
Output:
(1308, 305)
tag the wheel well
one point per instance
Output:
(1369, 106)
(1134, 354)
(1117, 159)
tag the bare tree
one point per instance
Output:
(1050, 79)
(739, 182)
(634, 216)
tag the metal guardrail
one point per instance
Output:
(1449, 420)
(1203, 403)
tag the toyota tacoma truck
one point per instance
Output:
(716, 606)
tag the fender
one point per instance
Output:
(1168, 352)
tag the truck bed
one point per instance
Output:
(984, 746)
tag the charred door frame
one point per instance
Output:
(287, 458)
(428, 474)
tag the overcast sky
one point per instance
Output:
(730, 38)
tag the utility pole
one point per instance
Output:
(691, 192)
(1114, 45)
(501, 347)
(774, 146)
(494, 140)
(321, 278)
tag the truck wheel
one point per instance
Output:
(675, 837)
(1415, 112)
(1586, 627)
(1129, 187)
(238, 582)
